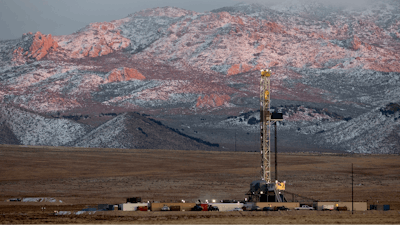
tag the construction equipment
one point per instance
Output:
(281, 185)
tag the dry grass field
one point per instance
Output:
(82, 178)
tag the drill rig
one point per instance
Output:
(265, 190)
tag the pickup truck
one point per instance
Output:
(255, 208)
(304, 207)
(197, 208)
(213, 208)
(282, 208)
(165, 208)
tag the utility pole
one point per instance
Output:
(352, 185)
(276, 152)
(235, 140)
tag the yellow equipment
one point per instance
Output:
(266, 94)
(280, 186)
(266, 73)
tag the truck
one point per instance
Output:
(213, 208)
(165, 208)
(175, 208)
(142, 208)
(327, 207)
(304, 207)
(197, 208)
(343, 208)
(282, 208)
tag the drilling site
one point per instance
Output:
(80, 185)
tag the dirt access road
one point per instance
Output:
(82, 177)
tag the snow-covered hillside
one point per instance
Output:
(174, 63)
(32, 129)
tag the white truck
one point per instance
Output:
(304, 207)
(165, 208)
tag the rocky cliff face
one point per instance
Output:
(124, 74)
(176, 64)
(34, 46)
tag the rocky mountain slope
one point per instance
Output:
(131, 130)
(127, 130)
(335, 68)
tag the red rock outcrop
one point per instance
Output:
(356, 43)
(124, 74)
(41, 45)
(384, 67)
(235, 69)
(18, 55)
(273, 27)
(36, 46)
(239, 68)
(211, 101)
(369, 47)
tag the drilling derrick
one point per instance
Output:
(265, 119)
(264, 190)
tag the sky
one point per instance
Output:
(60, 17)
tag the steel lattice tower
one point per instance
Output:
(265, 119)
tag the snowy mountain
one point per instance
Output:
(335, 67)
(32, 129)
(132, 130)
(127, 130)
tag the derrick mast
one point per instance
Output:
(264, 190)
(265, 120)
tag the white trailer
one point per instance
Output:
(132, 206)
(327, 207)
(224, 207)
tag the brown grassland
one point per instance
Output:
(83, 177)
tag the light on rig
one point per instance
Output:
(266, 93)
(266, 72)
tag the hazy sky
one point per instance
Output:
(59, 17)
